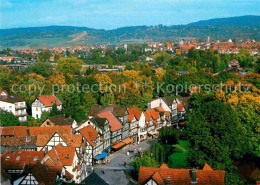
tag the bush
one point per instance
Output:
(168, 136)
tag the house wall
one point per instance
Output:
(158, 103)
(38, 108)
(11, 107)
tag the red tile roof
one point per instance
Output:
(206, 167)
(18, 159)
(72, 140)
(134, 112)
(179, 107)
(16, 131)
(34, 131)
(62, 155)
(90, 134)
(68, 175)
(114, 123)
(160, 109)
(180, 176)
(49, 100)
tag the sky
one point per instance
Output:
(111, 14)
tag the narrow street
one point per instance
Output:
(115, 172)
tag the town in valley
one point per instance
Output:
(127, 105)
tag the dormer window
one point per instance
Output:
(194, 179)
(35, 158)
(7, 158)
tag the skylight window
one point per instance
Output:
(18, 158)
(68, 156)
(35, 158)
(7, 158)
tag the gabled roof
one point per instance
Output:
(42, 174)
(134, 112)
(90, 134)
(62, 155)
(168, 100)
(61, 120)
(180, 176)
(72, 140)
(94, 179)
(49, 100)
(206, 167)
(18, 159)
(113, 121)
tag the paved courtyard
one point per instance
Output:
(115, 173)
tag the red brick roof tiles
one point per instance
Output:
(64, 154)
(179, 107)
(90, 134)
(114, 123)
(16, 131)
(18, 159)
(206, 167)
(49, 100)
(34, 131)
(134, 112)
(180, 176)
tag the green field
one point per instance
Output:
(178, 159)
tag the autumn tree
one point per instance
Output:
(69, 65)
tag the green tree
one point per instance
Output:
(88, 101)
(107, 99)
(217, 137)
(42, 68)
(110, 62)
(69, 65)
(8, 119)
(144, 161)
(44, 56)
(161, 59)
(45, 115)
(54, 111)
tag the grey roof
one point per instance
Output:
(11, 99)
(168, 100)
(115, 109)
(94, 179)
(100, 122)
(61, 120)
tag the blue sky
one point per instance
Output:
(110, 14)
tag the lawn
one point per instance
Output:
(178, 159)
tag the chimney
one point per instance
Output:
(168, 182)
(194, 179)
(28, 137)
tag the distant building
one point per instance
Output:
(13, 104)
(44, 103)
(234, 63)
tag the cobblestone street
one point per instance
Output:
(115, 173)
